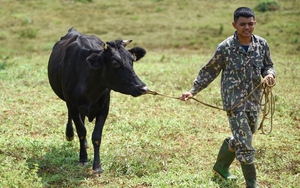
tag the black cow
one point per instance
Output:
(82, 70)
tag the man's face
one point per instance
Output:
(244, 26)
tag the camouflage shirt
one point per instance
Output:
(241, 71)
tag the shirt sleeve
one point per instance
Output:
(268, 63)
(209, 71)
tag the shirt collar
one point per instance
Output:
(237, 45)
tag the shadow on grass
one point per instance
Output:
(59, 166)
(224, 183)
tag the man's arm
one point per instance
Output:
(268, 72)
(206, 74)
(268, 63)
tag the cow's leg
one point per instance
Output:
(85, 141)
(96, 139)
(81, 132)
(97, 135)
(69, 129)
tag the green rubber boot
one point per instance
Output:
(224, 160)
(249, 173)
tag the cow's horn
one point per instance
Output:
(126, 42)
(104, 46)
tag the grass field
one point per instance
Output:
(149, 141)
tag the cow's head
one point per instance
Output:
(115, 64)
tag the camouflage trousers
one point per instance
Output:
(243, 125)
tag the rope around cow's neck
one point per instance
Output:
(268, 107)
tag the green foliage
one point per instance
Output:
(267, 6)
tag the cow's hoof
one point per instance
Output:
(69, 138)
(83, 163)
(98, 170)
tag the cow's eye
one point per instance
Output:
(115, 64)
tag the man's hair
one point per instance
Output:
(243, 12)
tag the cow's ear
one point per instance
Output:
(137, 52)
(93, 60)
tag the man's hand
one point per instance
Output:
(186, 96)
(269, 80)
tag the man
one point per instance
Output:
(242, 58)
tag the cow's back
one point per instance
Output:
(61, 54)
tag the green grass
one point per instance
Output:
(148, 141)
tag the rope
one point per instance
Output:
(268, 107)
(156, 93)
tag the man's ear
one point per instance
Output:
(137, 52)
(233, 24)
(93, 60)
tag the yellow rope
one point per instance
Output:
(268, 107)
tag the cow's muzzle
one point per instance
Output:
(143, 89)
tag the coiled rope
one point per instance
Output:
(266, 101)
